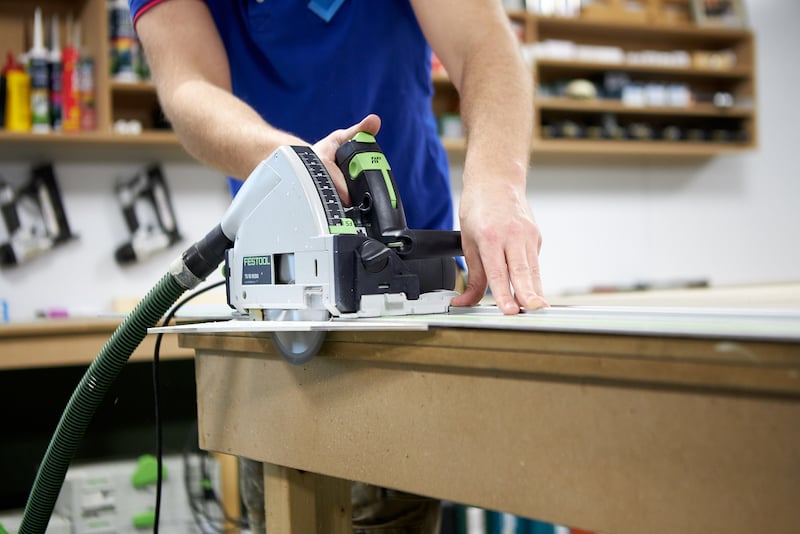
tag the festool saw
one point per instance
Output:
(299, 254)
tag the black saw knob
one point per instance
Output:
(374, 255)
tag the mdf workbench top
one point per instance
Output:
(615, 433)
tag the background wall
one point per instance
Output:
(731, 220)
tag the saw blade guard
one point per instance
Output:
(285, 224)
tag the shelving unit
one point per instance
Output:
(652, 31)
(651, 34)
(116, 100)
(113, 100)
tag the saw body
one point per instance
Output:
(299, 254)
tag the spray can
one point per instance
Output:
(37, 68)
(18, 99)
(70, 102)
(55, 75)
(123, 42)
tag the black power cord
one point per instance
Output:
(156, 395)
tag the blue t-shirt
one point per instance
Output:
(310, 77)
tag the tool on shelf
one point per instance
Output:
(33, 217)
(147, 208)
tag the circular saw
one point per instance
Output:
(300, 255)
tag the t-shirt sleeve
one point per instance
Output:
(139, 7)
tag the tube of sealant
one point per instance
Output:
(70, 104)
(38, 69)
(55, 75)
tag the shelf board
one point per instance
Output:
(92, 146)
(678, 149)
(133, 87)
(616, 106)
(441, 78)
(558, 65)
(454, 145)
(164, 146)
(557, 149)
(644, 30)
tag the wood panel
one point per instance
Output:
(615, 457)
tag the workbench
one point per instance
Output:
(69, 342)
(617, 433)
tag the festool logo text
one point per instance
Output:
(375, 159)
(254, 261)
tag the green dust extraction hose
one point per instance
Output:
(196, 263)
(87, 397)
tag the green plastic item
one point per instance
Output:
(373, 161)
(3, 529)
(347, 226)
(147, 471)
(144, 519)
(364, 137)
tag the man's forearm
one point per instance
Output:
(194, 88)
(219, 129)
(497, 110)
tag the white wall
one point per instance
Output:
(82, 274)
(734, 219)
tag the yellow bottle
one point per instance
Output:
(18, 101)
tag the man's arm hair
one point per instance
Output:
(191, 73)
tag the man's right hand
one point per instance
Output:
(326, 149)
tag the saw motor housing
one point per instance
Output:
(298, 248)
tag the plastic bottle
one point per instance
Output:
(86, 93)
(3, 97)
(70, 99)
(18, 99)
(55, 76)
(38, 70)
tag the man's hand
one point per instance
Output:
(326, 149)
(501, 244)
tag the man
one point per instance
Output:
(238, 78)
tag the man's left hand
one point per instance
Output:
(501, 243)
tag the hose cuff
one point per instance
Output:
(202, 258)
(183, 275)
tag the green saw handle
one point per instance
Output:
(371, 185)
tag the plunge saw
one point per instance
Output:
(300, 255)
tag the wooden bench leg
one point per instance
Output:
(229, 482)
(299, 502)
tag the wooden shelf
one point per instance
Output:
(441, 79)
(137, 100)
(559, 149)
(587, 147)
(454, 145)
(567, 67)
(97, 146)
(631, 36)
(615, 106)
(688, 33)
(133, 87)
(155, 137)
(69, 342)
